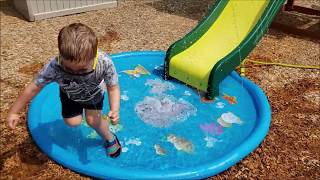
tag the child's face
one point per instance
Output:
(77, 67)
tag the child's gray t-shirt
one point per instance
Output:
(85, 89)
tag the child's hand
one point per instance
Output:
(13, 120)
(114, 117)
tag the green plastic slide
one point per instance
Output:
(219, 43)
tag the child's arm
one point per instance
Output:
(112, 83)
(114, 103)
(28, 93)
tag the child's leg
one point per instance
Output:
(101, 126)
(112, 144)
(74, 121)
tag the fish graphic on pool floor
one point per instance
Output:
(180, 143)
(160, 150)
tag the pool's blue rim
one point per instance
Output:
(205, 170)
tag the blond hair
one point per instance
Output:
(77, 42)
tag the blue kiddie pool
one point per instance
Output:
(166, 131)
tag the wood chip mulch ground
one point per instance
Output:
(292, 146)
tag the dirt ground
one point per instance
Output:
(291, 148)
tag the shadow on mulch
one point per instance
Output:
(8, 9)
(276, 33)
(110, 35)
(28, 154)
(297, 24)
(192, 9)
(31, 69)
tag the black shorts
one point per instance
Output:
(72, 108)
